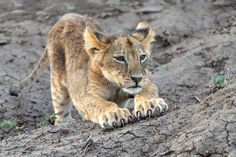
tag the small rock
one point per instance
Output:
(150, 9)
(19, 12)
(4, 40)
(234, 23)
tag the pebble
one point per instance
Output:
(150, 9)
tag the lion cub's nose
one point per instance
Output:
(136, 79)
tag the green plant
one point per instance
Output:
(52, 117)
(219, 81)
(232, 154)
(47, 120)
(8, 123)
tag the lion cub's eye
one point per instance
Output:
(119, 58)
(142, 58)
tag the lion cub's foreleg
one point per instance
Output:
(105, 113)
(148, 102)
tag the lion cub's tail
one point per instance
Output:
(38, 69)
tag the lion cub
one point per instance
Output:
(98, 73)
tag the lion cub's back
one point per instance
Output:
(72, 25)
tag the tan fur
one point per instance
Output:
(98, 73)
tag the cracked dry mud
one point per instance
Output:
(196, 40)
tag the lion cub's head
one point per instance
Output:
(122, 59)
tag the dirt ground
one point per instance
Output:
(196, 41)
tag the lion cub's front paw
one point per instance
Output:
(148, 107)
(116, 117)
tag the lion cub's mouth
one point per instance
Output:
(133, 89)
(136, 86)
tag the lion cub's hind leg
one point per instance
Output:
(60, 100)
(59, 93)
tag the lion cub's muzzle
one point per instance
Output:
(136, 86)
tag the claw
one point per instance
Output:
(138, 115)
(163, 105)
(149, 113)
(130, 119)
(157, 112)
(114, 125)
(160, 108)
(166, 107)
(122, 122)
(103, 125)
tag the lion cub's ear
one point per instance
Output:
(145, 34)
(94, 41)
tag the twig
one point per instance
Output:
(88, 144)
(42, 133)
(198, 100)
